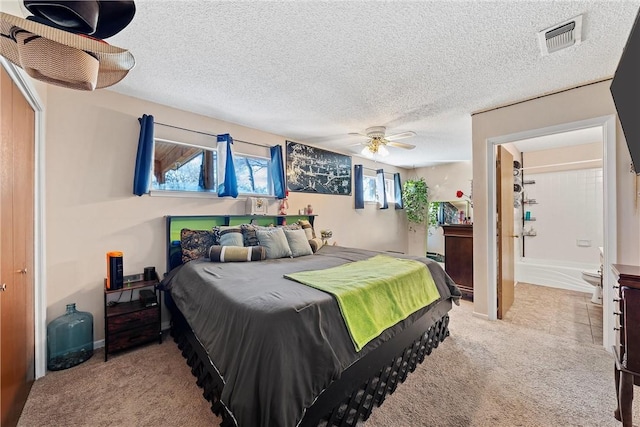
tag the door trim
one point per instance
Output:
(29, 92)
(608, 125)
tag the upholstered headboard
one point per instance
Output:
(206, 222)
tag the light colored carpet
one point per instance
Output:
(484, 374)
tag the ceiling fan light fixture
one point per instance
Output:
(367, 152)
(382, 150)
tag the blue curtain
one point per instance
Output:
(144, 160)
(397, 189)
(229, 185)
(380, 189)
(358, 186)
(277, 172)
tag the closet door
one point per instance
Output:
(17, 348)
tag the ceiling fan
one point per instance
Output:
(377, 141)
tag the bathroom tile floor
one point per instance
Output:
(557, 312)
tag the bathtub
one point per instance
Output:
(553, 273)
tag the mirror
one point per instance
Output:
(183, 167)
(449, 211)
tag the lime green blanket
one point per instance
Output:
(374, 294)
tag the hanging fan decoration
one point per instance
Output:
(377, 141)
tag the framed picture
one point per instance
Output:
(313, 170)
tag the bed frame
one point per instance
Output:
(352, 397)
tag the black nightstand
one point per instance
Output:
(131, 323)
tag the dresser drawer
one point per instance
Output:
(132, 337)
(134, 319)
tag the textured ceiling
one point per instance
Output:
(314, 71)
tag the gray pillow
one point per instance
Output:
(275, 243)
(298, 242)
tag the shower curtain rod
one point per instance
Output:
(210, 134)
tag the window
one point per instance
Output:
(370, 193)
(253, 174)
(369, 189)
(179, 166)
(184, 176)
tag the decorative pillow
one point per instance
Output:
(249, 233)
(294, 226)
(230, 236)
(195, 243)
(275, 242)
(308, 228)
(236, 253)
(298, 242)
(315, 243)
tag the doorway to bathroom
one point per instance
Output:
(559, 229)
(605, 127)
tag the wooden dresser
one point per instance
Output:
(627, 347)
(458, 256)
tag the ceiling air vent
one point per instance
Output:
(565, 34)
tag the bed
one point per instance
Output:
(269, 351)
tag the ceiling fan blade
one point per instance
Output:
(400, 135)
(358, 134)
(401, 145)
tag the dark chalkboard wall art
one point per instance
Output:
(313, 170)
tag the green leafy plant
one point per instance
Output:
(415, 196)
(433, 214)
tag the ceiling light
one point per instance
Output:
(366, 151)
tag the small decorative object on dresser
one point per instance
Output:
(256, 206)
(136, 320)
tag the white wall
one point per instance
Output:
(568, 187)
(569, 216)
(91, 143)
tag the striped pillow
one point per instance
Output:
(236, 253)
(315, 243)
(308, 228)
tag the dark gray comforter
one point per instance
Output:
(276, 343)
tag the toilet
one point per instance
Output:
(594, 278)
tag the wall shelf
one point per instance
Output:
(529, 202)
(529, 182)
(530, 219)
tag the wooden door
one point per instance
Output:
(506, 259)
(17, 333)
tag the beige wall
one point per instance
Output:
(584, 156)
(444, 180)
(91, 143)
(573, 105)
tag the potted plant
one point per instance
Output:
(415, 196)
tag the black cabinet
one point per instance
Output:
(132, 322)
